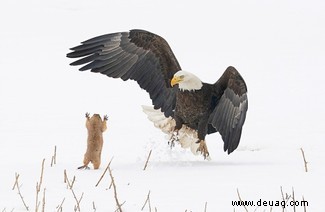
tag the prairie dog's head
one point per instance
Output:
(95, 122)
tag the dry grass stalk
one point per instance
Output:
(147, 201)
(65, 176)
(282, 197)
(59, 208)
(145, 166)
(94, 207)
(16, 185)
(117, 210)
(305, 162)
(110, 185)
(285, 198)
(82, 195)
(293, 199)
(69, 185)
(38, 186)
(66, 180)
(43, 201)
(305, 209)
(16, 181)
(114, 187)
(241, 200)
(72, 182)
(53, 160)
(101, 177)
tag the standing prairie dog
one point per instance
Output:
(95, 126)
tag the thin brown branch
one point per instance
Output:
(82, 195)
(65, 176)
(282, 197)
(293, 199)
(38, 187)
(241, 200)
(145, 166)
(114, 187)
(303, 199)
(67, 181)
(16, 181)
(53, 160)
(72, 183)
(305, 162)
(117, 210)
(77, 207)
(16, 185)
(147, 201)
(43, 201)
(101, 177)
(59, 208)
(94, 207)
(41, 177)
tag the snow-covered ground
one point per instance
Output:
(278, 47)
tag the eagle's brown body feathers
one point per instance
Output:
(147, 58)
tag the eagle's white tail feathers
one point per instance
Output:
(187, 136)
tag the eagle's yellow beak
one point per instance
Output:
(175, 80)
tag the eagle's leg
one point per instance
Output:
(203, 149)
(174, 137)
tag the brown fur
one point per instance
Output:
(95, 126)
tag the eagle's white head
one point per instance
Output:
(186, 81)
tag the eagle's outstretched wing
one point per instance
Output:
(229, 113)
(138, 55)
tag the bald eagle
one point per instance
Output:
(184, 107)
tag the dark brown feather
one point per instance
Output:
(138, 55)
(231, 105)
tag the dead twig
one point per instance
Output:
(77, 206)
(282, 197)
(147, 201)
(241, 200)
(38, 187)
(65, 176)
(94, 207)
(117, 210)
(303, 199)
(110, 185)
(16, 185)
(114, 187)
(59, 208)
(72, 183)
(101, 177)
(66, 180)
(145, 166)
(82, 195)
(293, 199)
(53, 160)
(43, 201)
(305, 162)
